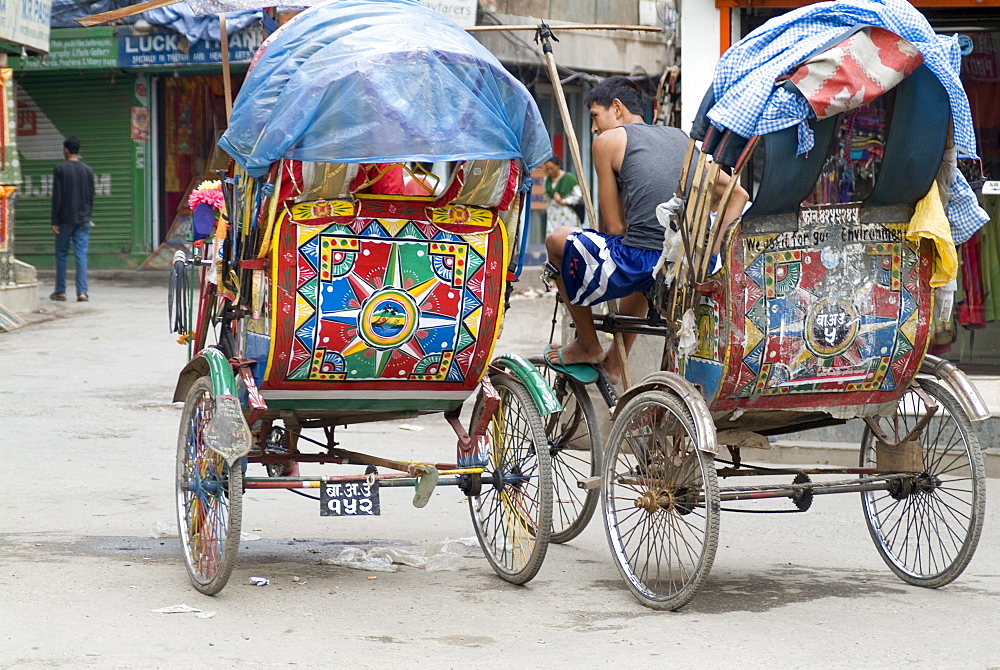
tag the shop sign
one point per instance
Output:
(26, 22)
(172, 49)
(981, 63)
(75, 49)
(462, 12)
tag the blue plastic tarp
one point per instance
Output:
(380, 81)
(180, 18)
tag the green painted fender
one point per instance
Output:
(212, 362)
(227, 432)
(538, 388)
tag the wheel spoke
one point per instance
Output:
(512, 514)
(663, 540)
(927, 530)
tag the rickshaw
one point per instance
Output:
(358, 269)
(818, 312)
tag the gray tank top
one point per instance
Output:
(649, 174)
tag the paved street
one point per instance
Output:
(87, 442)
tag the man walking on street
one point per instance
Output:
(72, 199)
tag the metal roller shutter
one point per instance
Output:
(96, 107)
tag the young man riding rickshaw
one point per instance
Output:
(638, 167)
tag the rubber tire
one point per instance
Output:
(959, 462)
(514, 537)
(209, 563)
(663, 534)
(572, 507)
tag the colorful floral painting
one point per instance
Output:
(376, 304)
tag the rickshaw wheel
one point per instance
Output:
(660, 497)
(512, 514)
(927, 530)
(209, 497)
(574, 438)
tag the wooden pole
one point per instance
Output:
(227, 82)
(718, 230)
(123, 12)
(574, 148)
(583, 26)
(570, 131)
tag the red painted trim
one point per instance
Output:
(513, 180)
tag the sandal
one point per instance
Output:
(585, 373)
(58, 297)
(81, 298)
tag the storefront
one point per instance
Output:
(148, 109)
(23, 25)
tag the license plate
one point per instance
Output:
(349, 499)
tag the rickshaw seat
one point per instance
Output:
(917, 133)
(478, 183)
(788, 178)
(485, 183)
(327, 181)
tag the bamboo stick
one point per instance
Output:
(123, 12)
(227, 81)
(574, 149)
(707, 192)
(702, 216)
(686, 226)
(682, 190)
(583, 26)
(719, 229)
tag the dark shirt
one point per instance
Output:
(72, 193)
(651, 168)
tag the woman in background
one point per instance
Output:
(562, 193)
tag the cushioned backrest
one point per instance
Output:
(918, 131)
(327, 181)
(788, 178)
(484, 184)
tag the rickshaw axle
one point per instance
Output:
(384, 481)
(886, 483)
(683, 500)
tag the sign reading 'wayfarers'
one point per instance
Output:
(159, 49)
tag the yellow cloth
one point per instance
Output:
(929, 222)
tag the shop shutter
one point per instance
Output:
(96, 107)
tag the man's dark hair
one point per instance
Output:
(622, 88)
(554, 159)
(72, 144)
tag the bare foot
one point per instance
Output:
(612, 365)
(574, 353)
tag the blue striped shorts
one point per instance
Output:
(598, 267)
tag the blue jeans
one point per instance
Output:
(80, 237)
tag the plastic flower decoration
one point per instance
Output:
(205, 201)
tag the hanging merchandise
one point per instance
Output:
(849, 174)
(990, 238)
(971, 313)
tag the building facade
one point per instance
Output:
(149, 107)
